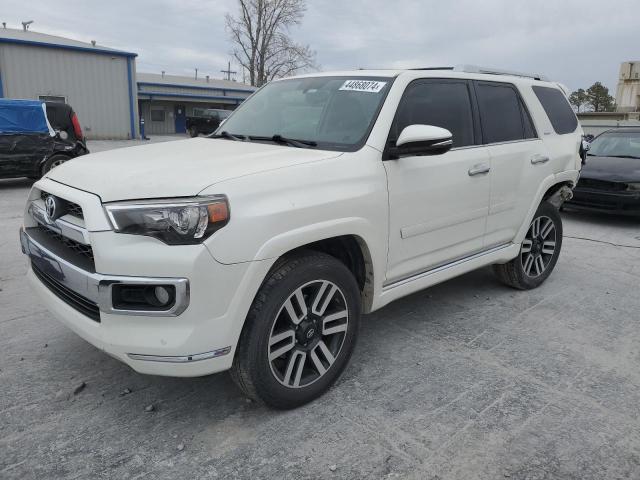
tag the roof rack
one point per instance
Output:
(497, 71)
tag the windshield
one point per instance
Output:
(334, 113)
(616, 144)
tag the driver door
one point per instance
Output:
(438, 204)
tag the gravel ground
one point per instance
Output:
(466, 380)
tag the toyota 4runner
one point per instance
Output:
(321, 197)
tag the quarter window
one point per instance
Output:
(500, 113)
(445, 104)
(558, 110)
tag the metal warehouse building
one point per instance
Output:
(165, 100)
(98, 82)
(103, 87)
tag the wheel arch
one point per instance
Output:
(351, 250)
(549, 187)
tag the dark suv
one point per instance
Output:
(205, 120)
(32, 142)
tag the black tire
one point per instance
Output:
(193, 132)
(523, 273)
(254, 372)
(53, 162)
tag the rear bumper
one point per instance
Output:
(622, 202)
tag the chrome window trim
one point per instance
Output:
(97, 287)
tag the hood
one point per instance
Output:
(176, 169)
(612, 169)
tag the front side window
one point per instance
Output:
(440, 103)
(501, 113)
(334, 113)
(558, 110)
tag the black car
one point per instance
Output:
(37, 136)
(610, 179)
(205, 120)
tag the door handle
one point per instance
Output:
(539, 159)
(479, 169)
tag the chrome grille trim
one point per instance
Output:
(59, 226)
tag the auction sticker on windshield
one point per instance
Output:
(370, 86)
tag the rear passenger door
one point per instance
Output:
(438, 204)
(519, 158)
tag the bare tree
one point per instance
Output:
(262, 44)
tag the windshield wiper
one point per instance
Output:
(289, 141)
(230, 136)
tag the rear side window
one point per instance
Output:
(503, 116)
(440, 103)
(558, 110)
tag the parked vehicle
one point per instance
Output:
(610, 179)
(323, 197)
(205, 120)
(36, 137)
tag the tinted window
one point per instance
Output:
(558, 109)
(500, 113)
(442, 104)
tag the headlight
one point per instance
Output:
(634, 186)
(178, 221)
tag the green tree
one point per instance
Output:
(579, 99)
(599, 98)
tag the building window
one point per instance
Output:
(52, 98)
(157, 115)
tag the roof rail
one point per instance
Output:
(497, 71)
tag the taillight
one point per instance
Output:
(77, 129)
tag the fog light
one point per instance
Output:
(143, 297)
(162, 295)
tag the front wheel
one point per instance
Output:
(539, 251)
(300, 331)
(193, 132)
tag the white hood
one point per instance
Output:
(176, 169)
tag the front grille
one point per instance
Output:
(71, 298)
(72, 209)
(72, 245)
(602, 185)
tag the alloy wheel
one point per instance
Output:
(539, 246)
(308, 333)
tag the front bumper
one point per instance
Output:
(619, 202)
(196, 340)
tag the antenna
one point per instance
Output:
(25, 25)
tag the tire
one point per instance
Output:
(306, 348)
(539, 252)
(53, 162)
(193, 132)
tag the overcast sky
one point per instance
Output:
(576, 42)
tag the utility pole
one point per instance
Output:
(228, 71)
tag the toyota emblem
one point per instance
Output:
(52, 208)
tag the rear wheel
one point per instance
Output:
(52, 162)
(300, 332)
(539, 251)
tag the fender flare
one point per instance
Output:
(569, 176)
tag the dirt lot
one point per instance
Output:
(466, 380)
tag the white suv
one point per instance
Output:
(320, 198)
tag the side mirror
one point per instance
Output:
(416, 140)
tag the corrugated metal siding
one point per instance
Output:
(200, 92)
(95, 85)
